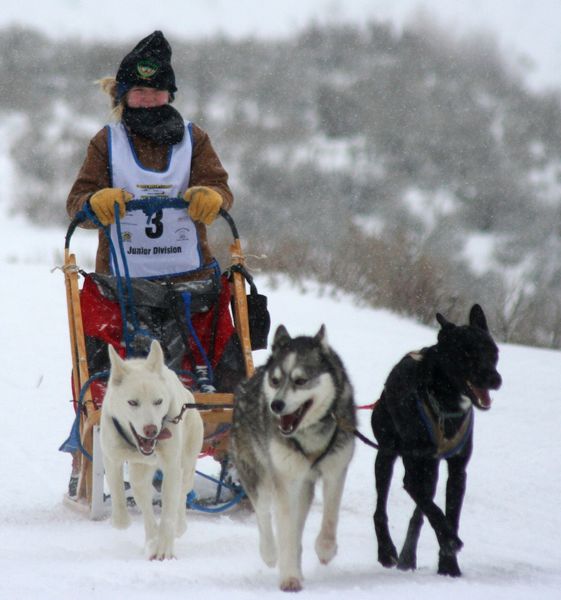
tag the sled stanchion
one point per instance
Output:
(240, 308)
(80, 361)
(69, 268)
(80, 373)
(96, 506)
(86, 434)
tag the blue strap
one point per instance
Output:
(191, 500)
(187, 303)
(73, 442)
(120, 294)
(194, 505)
(126, 302)
(130, 307)
(462, 442)
(89, 214)
(430, 427)
(239, 494)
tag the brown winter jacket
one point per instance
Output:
(206, 169)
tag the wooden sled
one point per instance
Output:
(89, 497)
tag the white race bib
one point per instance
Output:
(166, 242)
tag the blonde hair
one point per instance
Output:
(108, 85)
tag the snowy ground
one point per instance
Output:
(511, 524)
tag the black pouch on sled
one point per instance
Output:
(158, 307)
(155, 294)
(257, 312)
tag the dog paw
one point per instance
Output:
(326, 549)
(162, 556)
(407, 560)
(387, 560)
(291, 584)
(158, 550)
(407, 564)
(448, 565)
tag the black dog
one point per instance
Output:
(424, 415)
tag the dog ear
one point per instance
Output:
(442, 320)
(118, 366)
(155, 358)
(281, 337)
(477, 317)
(321, 337)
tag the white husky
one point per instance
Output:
(142, 398)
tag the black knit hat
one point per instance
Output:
(147, 65)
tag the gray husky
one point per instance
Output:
(293, 423)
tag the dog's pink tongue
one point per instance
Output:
(287, 422)
(146, 444)
(164, 434)
(483, 397)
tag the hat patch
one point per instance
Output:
(146, 69)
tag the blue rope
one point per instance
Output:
(120, 293)
(221, 481)
(73, 442)
(126, 300)
(130, 305)
(124, 261)
(126, 305)
(191, 500)
(187, 302)
(192, 503)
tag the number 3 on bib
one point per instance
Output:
(157, 228)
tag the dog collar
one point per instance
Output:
(121, 432)
(317, 457)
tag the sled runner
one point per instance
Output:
(207, 327)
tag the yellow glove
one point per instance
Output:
(204, 203)
(103, 204)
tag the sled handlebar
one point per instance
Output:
(149, 206)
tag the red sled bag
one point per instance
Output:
(201, 333)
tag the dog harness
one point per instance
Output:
(317, 457)
(435, 419)
(435, 424)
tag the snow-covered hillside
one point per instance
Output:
(527, 31)
(511, 524)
